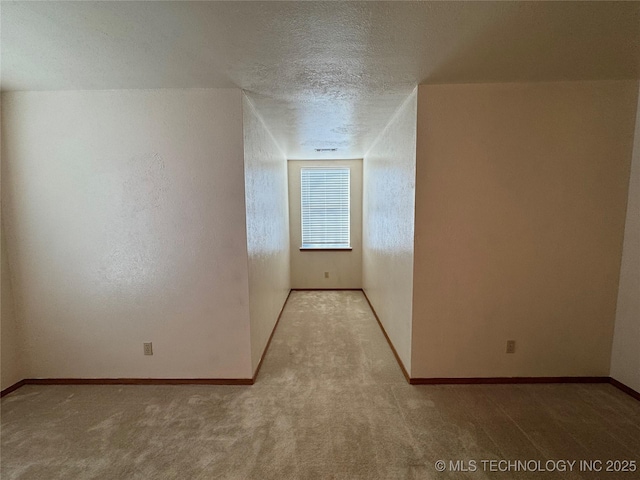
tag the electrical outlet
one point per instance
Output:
(148, 348)
(511, 346)
(326, 274)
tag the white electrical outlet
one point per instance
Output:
(511, 346)
(148, 348)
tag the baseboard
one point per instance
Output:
(505, 380)
(264, 352)
(146, 381)
(138, 381)
(326, 289)
(384, 332)
(127, 381)
(626, 389)
(248, 381)
(12, 388)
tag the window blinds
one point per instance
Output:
(325, 207)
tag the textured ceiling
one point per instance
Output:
(322, 74)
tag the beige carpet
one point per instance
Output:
(330, 403)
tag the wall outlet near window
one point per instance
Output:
(326, 274)
(511, 346)
(148, 348)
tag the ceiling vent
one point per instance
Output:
(326, 149)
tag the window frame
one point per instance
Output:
(320, 247)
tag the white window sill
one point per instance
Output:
(326, 249)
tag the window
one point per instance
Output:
(325, 205)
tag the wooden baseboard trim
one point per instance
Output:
(12, 388)
(505, 380)
(248, 381)
(326, 289)
(264, 352)
(626, 389)
(138, 381)
(384, 332)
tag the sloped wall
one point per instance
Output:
(625, 357)
(388, 226)
(265, 173)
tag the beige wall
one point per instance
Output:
(127, 218)
(12, 367)
(625, 357)
(265, 173)
(388, 226)
(308, 267)
(520, 209)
